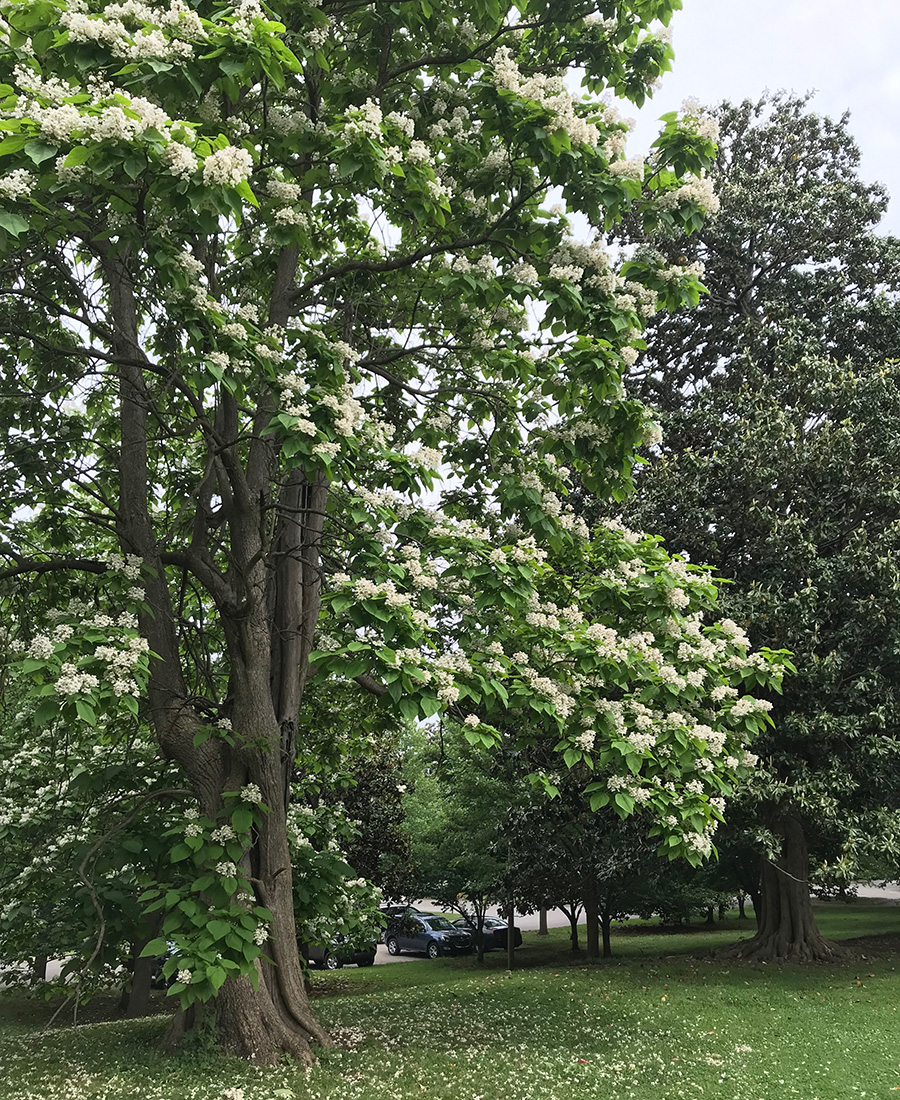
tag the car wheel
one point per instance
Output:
(366, 962)
(433, 950)
(332, 962)
(392, 945)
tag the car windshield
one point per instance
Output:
(438, 924)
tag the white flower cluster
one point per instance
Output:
(180, 160)
(366, 121)
(429, 458)
(585, 740)
(749, 705)
(698, 120)
(16, 184)
(348, 412)
(71, 681)
(653, 434)
(226, 869)
(697, 189)
(633, 167)
(40, 648)
(548, 91)
(169, 40)
(129, 565)
(699, 842)
(227, 167)
(251, 793)
(121, 664)
(643, 742)
(524, 273)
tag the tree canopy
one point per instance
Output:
(268, 272)
(777, 468)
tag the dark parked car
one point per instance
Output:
(428, 934)
(495, 932)
(397, 919)
(339, 953)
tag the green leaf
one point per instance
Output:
(85, 712)
(409, 708)
(13, 144)
(77, 156)
(39, 151)
(217, 976)
(15, 224)
(155, 947)
(134, 165)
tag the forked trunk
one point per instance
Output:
(605, 927)
(572, 913)
(787, 928)
(268, 603)
(275, 1018)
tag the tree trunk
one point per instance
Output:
(756, 902)
(710, 915)
(742, 900)
(591, 917)
(39, 969)
(479, 930)
(572, 915)
(723, 909)
(141, 979)
(511, 936)
(543, 930)
(605, 925)
(787, 928)
(267, 603)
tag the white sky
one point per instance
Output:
(848, 51)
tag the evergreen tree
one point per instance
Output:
(779, 468)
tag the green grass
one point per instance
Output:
(662, 1020)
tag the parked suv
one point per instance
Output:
(397, 919)
(339, 953)
(429, 934)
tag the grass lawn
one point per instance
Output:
(663, 1020)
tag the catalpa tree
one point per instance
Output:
(268, 272)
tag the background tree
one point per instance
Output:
(264, 272)
(780, 435)
(459, 810)
(793, 254)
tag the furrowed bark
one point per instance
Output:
(787, 928)
(275, 1018)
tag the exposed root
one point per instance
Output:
(773, 947)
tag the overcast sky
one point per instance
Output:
(849, 52)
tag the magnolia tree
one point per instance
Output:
(267, 272)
